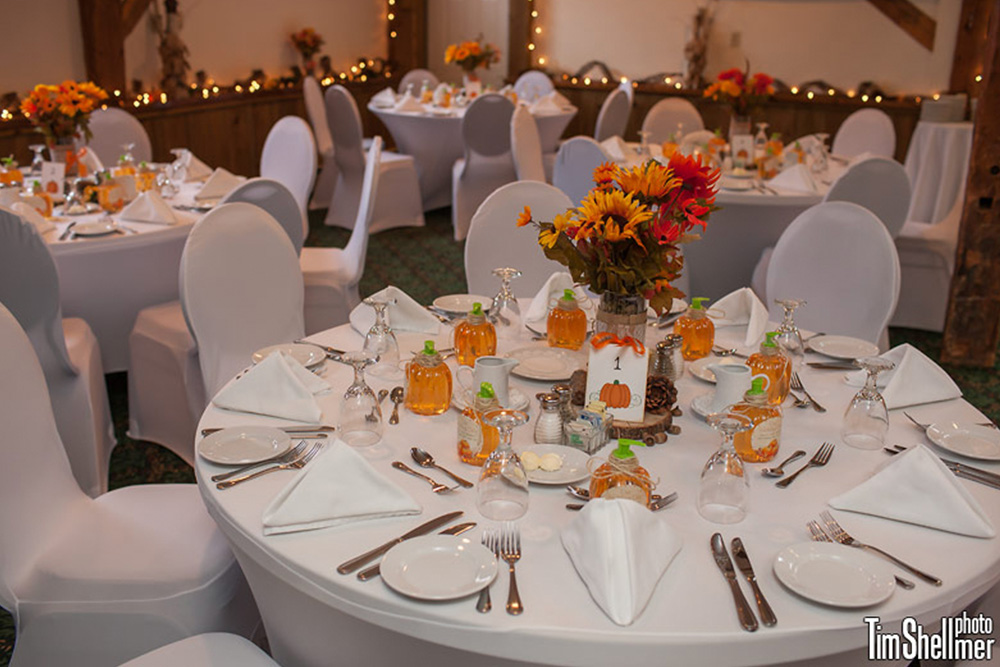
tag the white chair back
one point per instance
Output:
(865, 131)
(575, 163)
(694, 140)
(344, 119)
(673, 116)
(316, 112)
(276, 199)
(356, 249)
(289, 157)
(484, 127)
(613, 116)
(526, 146)
(879, 184)
(532, 85)
(417, 78)
(839, 257)
(113, 127)
(495, 241)
(626, 85)
(240, 287)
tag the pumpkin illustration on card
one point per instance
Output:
(616, 375)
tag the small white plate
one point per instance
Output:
(438, 567)
(243, 444)
(96, 228)
(843, 347)
(307, 355)
(545, 363)
(972, 440)
(834, 574)
(574, 467)
(735, 183)
(518, 399)
(83, 210)
(460, 304)
(700, 405)
(699, 367)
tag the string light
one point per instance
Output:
(795, 90)
(810, 94)
(533, 31)
(979, 78)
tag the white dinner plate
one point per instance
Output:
(242, 445)
(834, 574)
(460, 304)
(438, 567)
(307, 355)
(734, 183)
(972, 440)
(545, 363)
(96, 228)
(843, 347)
(699, 367)
(574, 464)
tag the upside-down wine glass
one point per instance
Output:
(504, 311)
(643, 148)
(725, 488)
(38, 158)
(866, 420)
(503, 483)
(789, 338)
(361, 421)
(381, 342)
(820, 153)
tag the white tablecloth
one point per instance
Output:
(937, 163)
(312, 613)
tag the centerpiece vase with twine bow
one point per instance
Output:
(743, 92)
(61, 114)
(470, 56)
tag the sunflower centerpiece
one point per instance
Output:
(623, 240)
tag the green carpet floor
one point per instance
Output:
(425, 262)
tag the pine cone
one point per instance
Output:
(578, 382)
(661, 394)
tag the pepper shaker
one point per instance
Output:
(565, 394)
(667, 359)
(549, 425)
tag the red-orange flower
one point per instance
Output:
(524, 217)
(697, 177)
(735, 74)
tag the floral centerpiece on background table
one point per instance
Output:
(62, 113)
(623, 241)
(307, 42)
(471, 56)
(742, 91)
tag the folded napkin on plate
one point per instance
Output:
(553, 289)
(278, 386)
(620, 549)
(916, 487)
(796, 177)
(149, 207)
(339, 486)
(404, 315)
(914, 380)
(31, 214)
(409, 103)
(616, 148)
(545, 105)
(89, 159)
(194, 169)
(742, 307)
(384, 98)
(219, 184)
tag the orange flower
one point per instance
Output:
(525, 217)
(604, 175)
(652, 181)
(449, 53)
(461, 53)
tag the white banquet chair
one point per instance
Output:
(612, 119)
(111, 128)
(575, 164)
(495, 241)
(840, 258)
(275, 197)
(416, 78)
(673, 116)
(66, 348)
(312, 95)
(488, 163)
(212, 649)
(865, 131)
(289, 157)
(526, 146)
(96, 582)
(532, 85)
(399, 204)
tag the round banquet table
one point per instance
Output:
(315, 616)
(937, 163)
(434, 139)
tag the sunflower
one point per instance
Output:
(604, 175)
(615, 215)
(449, 53)
(461, 53)
(651, 181)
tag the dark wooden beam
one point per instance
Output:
(132, 12)
(970, 47)
(103, 42)
(518, 37)
(972, 326)
(910, 18)
(408, 49)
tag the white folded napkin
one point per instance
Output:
(278, 386)
(89, 159)
(409, 103)
(384, 98)
(739, 308)
(797, 178)
(620, 549)
(219, 184)
(32, 215)
(404, 315)
(149, 207)
(194, 169)
(915, 379)
(339, 486)
(545, 105)
(553, 289)
(615, 147)
(561, 100)
(916, 487)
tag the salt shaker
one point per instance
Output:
(667, 359)
(549, 425)
(565, 394)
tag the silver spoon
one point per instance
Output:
(382, 393)
(396, 396)
(779, 470)
(425, 460)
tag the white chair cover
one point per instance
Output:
(526, 146)
(416, 77)
(838, 257)
(626, 85)
(331, 275)
(673, 116)
(400, 204)
(66, 349)
(693, 140)
(316, 112)
(575, 164)
(241, 289)
(865, 131)
(213, 649)
(494, 241)
(613, 116)
(97, 582)
(879, 184)
(532, 85)
(113, 127)
(274, 197)
(289, 157)
(488, 163)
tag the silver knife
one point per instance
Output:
(457, 529)
(351, 565)
(767, 616)
(332, 352)
(286, 429)
(67, 231)
(832, 365)
(743, 610)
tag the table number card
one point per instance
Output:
(53, 176)
(616, 375)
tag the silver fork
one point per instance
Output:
(797, 386)
(819, 459)
(819, 535)
(510, 551)
(927, 426)
(290, 455)
(291, 465)
(484, 604)
(843, 537)
(800, 402)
